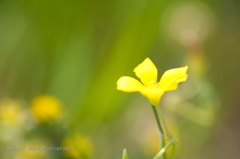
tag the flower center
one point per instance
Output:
(151, 84)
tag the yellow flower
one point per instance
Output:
(83, 147)
(10, 111)
(31, 149)
(148, 87)
(46, 108)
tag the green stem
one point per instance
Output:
(157, 119)
(125, 156)
(173, 151)
(160, 130)
(169, 135)
(163, 150)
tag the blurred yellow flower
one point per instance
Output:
(83, 147)
(10, 111)
(31, 149)
(147, 72)
(46, 108)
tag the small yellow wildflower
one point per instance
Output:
(10, 111)
(147, 72)
(45, 108)
(83, 147)
(31, 149)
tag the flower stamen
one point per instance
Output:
(151, 84)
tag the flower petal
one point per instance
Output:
(128, 84)
(170, 79)
(147, 72)
(153, 94)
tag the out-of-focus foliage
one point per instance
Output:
(74, 52)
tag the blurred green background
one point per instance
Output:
(73, 52)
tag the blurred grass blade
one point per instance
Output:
(125, 154)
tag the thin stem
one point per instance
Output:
(160, 130)
(164, 156)
(125, 156)
(169, 135)
(173, 151)
(163, 150)
(157, 119)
